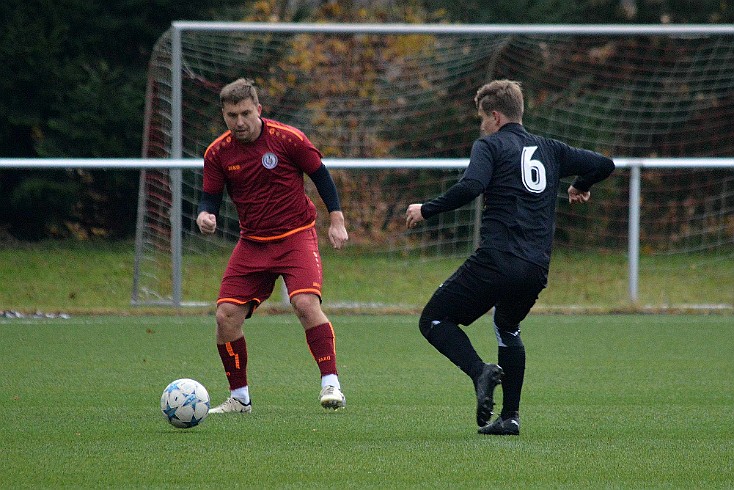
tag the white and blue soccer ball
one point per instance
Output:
(185, 403)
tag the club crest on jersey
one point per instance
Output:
(270, 160)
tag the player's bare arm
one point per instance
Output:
(338, 235)
(577, 196)
(413, 215)
(207, 222)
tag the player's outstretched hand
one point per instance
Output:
(577, 196)
(207, 222)
(338, 235)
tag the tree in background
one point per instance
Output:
(73, 77)
(585, 11)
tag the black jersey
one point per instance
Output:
(519, 174)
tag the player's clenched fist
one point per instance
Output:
(413, 215)
(207, 222)
(577, 196)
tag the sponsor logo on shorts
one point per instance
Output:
(270, 160)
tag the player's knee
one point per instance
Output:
(508, 336)
(228, 314)
(426, 322)
(230, 318)
(308, 309)
(306, 304)
(507, 327)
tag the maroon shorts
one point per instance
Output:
(254, 266)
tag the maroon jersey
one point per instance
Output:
(264, 179)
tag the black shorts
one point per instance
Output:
(489, 278)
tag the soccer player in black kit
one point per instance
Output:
(519, 175)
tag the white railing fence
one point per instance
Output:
(635, 166)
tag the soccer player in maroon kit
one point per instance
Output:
(261, 163)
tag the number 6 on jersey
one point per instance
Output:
(533, 171)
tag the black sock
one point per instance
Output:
(512, 361)
(452, 342)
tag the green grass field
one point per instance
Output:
(612, 401)
(79, 277)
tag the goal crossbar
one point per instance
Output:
(463, 29)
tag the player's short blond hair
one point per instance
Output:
(503, 96)
(237, 91)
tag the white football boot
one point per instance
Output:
(332, 397)
(232, 405)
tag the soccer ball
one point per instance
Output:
(185, 403)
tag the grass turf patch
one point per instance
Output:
(612, 401)
(96, 277)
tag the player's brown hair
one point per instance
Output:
(504, 96)
(237, 91)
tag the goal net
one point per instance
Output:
(368, 99)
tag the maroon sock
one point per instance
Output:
(321, 342)
(234, 360)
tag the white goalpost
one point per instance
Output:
(391, 108)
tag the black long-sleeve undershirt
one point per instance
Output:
(326, 188)
(463, 192)
(209, 203)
